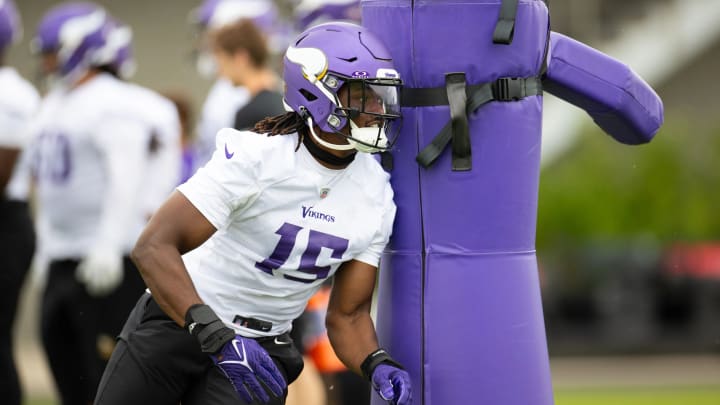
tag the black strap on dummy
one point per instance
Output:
(457, 99)
(468, 99)
(505, 26)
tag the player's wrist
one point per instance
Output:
(374, 359)
(212, 334)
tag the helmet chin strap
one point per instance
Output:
(325, 156)
(332, 146)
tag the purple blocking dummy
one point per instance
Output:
(459, 295)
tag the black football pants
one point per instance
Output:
(71, 323)
(17, 246)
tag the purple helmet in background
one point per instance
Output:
(213, 14)
(117, 53)
(10, 25)
(216, 13)
(75, 32)
(313, 12)
(328, 56)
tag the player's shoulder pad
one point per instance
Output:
(17, 92)
(144, 97)
(367, 174)
(107, 93)
(273, 154)
(141, 104)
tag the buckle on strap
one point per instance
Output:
(503, 89)
(509, 89)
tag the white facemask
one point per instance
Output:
(367, 135)
(373, 135)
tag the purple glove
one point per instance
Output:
(243, 361)
(392, 383)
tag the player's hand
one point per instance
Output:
(393, 384)
(101, 271)
(246, 363)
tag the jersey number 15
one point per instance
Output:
(308, 262)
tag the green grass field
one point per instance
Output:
(639, 396)
(609, 396)
(33, 401)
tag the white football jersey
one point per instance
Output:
(218, 112)
(18, 103)
(284, 224)
(162, 171)
(88, 156)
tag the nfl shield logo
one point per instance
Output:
(324, 192)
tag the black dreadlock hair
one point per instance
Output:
(284, 124)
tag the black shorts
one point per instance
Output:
(157, 362)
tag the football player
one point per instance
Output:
(232, 257)
(242, 57)
(89, 155)
(18, 103)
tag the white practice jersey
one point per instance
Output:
(88, 155)
(163, 150)
(218, 112)
(284, 224)
(18, 103)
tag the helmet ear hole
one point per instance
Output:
(308, 96)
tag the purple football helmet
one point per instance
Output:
(75, 32)
(313, 12)
(329, 56)
(216, 13)
(10, 26)
(117, 54)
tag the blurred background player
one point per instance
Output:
(161, 174)
(242, 55)
(224, 99)
(90, 158)
(18, 103)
